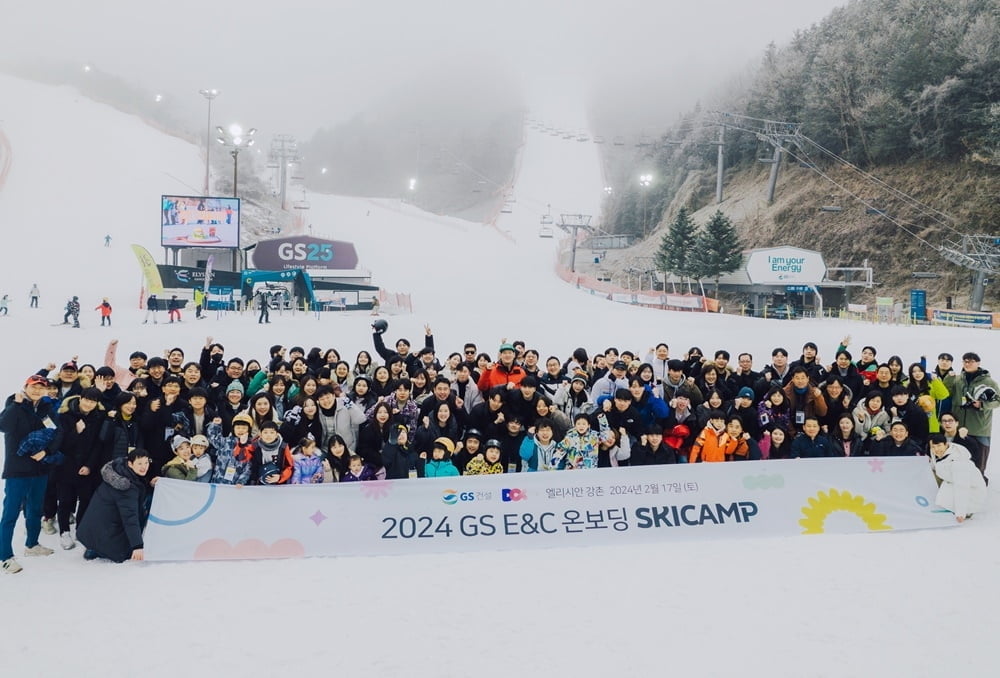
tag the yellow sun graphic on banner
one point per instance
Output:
(825, 503)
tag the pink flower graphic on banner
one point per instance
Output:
(376, 489)
(248, 549)
(318, 517)
(876, 465)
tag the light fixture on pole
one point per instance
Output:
(236, 139)
(209, 94)
(644, 181)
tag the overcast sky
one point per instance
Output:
(294, 66)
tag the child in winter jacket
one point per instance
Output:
(963, 489)
(539, 452)
(307, 466)
(202, 461)
(714, 444)
(181, 467)
(275, 455)
(237, 458)
(439, 465)
(358, 470)
(487, 463)
(580, 448)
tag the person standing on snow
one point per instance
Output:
(107, 240)
(25, 476)
(34, 294)
(105, 308)
(174, 308)
(265, 307)
(72, 311)
(152, 306)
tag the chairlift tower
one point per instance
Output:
(574, 222)
(284, 151)
(775, 132)
(979, 253)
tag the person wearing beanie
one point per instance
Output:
(182, 466)
(439, 464)
(202, 460)
(237, 460)
(25, 477)
(505, 372)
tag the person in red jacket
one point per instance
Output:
(504, 372)
(105, 308)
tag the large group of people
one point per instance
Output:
(87, 445)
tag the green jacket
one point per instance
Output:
(178, 470)
(979, 420)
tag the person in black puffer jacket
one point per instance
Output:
(112, 527)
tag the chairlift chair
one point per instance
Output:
(598, 140)
(619, 141)
(546, 219)
(545, 232)
(301, 205)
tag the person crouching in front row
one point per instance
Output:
(963, 489)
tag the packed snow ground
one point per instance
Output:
(907, 604)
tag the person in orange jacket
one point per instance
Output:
(105, 308)
(714, 444)
(504, 372)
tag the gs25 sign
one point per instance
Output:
(305, 252)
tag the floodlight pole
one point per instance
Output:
(236, 164)
(209, 94)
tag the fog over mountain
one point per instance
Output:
(294, 67)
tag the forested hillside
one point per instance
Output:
(906, 90)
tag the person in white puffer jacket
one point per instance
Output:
(963, 489)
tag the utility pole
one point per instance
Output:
(284, 150)
(719, 163)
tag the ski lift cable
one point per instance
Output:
(922, 208)
(857, 197)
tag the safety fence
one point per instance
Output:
(648, 298)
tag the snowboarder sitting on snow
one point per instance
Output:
(963, 489)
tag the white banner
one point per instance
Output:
(684, 301)
(648, 300)
(198, 521)
(857, 308)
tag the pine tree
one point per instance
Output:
(718, 249)
(676, 248)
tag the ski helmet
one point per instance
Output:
(380, 325)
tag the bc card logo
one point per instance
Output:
(454, 496)
(513, 495)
